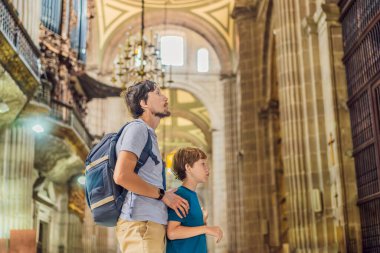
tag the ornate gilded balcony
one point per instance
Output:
(60, 119)
(67, 115)
(18, 55)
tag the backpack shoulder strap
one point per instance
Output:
(121, 130)
(146, 153)
(112, 151)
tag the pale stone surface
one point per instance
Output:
(310, 97)
(29, 19)
(11, 94)
(16, 169)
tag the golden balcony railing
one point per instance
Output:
(18, 55)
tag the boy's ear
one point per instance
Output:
(187, 167)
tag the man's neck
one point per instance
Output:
(150, 120)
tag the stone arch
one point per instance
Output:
(200, 123)
(184, 19)
(190, 138)
(204, 97)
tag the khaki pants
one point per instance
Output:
(140, 236)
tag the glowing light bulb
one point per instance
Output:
(38, 128)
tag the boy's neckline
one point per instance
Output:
(188, 188)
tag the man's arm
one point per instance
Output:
(125, 176)
(177, 231)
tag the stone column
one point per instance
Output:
(88, 231)
(233, 165)
(75, 234)
(16, 178)
(97, 239)
(292, 59)
(251, 24)
(217, 185)
(341, 209)
(59, 221)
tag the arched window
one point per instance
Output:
(202, 60)
(172, 50)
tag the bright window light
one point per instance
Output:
(202, 60)
(38, 128)
(172, 50)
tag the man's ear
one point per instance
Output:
(143, 104)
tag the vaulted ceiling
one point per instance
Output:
(113, 15)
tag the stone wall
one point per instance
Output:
(298, 188)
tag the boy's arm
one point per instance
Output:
(177, 231)
(205, 215)
(125, 176)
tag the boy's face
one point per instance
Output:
(158, 103)
(200, 171)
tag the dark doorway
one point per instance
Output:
(42, 243)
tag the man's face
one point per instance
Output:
(158, 103)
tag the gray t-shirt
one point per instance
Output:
(137, 207)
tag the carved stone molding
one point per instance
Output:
(244, 12)
(43, 192)
(309, 26)
(77, 200)
(231, 77)
(56, 158)
(56, 51)
(327, 12)
(272, 108)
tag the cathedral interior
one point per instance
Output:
(282, 95)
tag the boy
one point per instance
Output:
(188, 234)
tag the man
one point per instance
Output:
(141, 226)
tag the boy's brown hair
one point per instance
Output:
(183, 156)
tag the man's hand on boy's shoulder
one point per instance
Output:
(175, 202)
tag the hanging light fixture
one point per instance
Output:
(139, 59)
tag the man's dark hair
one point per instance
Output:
(183, 156)
(137, 92)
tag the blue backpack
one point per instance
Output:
(104, 197)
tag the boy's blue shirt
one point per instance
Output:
(193, 219)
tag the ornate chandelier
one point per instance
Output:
(139, 59)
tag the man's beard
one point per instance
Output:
(162, 114)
